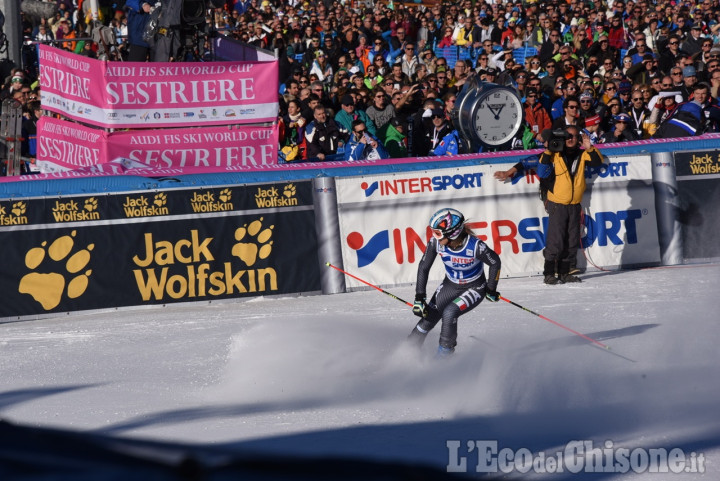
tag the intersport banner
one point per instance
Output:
(383, 219)
(64, 146)
(158, 94)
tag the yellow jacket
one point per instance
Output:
(461, 40)
(555, 175)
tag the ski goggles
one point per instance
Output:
(438, 234)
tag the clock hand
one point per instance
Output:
(496, 111)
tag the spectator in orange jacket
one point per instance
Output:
(536, 116)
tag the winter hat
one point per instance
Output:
(689, 71)
(319, 53)
(354, 70)
(592, 120)
(347, 100)
(619, 118)
(624, 87)
(397, 122)
(586, 95)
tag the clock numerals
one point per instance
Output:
(496, 116)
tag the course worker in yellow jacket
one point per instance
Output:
(562, 178)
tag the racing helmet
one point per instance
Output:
(448, 223)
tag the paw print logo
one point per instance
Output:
(289, 190)
(91, 204)
(63, 262)
(19, 208)
(160, 199)
(225, 195)
(253, 242)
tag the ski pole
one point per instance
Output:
(371, 285)
(604, 346)
(597, 343)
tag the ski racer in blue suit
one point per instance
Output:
(464, 287)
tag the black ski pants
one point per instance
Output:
(562, 239)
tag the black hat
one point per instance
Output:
(347, 100)
(397, 122)
(491, 71)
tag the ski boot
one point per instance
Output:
(444, 352)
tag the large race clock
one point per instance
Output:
(487, 114)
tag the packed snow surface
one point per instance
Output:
(330, 375)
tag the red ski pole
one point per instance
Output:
(371, 285)
(597, 343)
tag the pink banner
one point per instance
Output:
(158, 94)
(202, 148)
(64, 146)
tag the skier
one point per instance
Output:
(464, 286)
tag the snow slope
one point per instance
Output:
(329, 375)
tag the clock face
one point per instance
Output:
(497, 117)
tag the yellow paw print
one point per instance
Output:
(91, 204)
(160, 199)
(18, 208)
(258, 245)
(225, 195)
(48, 288)
(289, 190)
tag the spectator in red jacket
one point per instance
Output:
(536, 116)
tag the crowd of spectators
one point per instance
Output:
(361, 80)
(623, 71)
